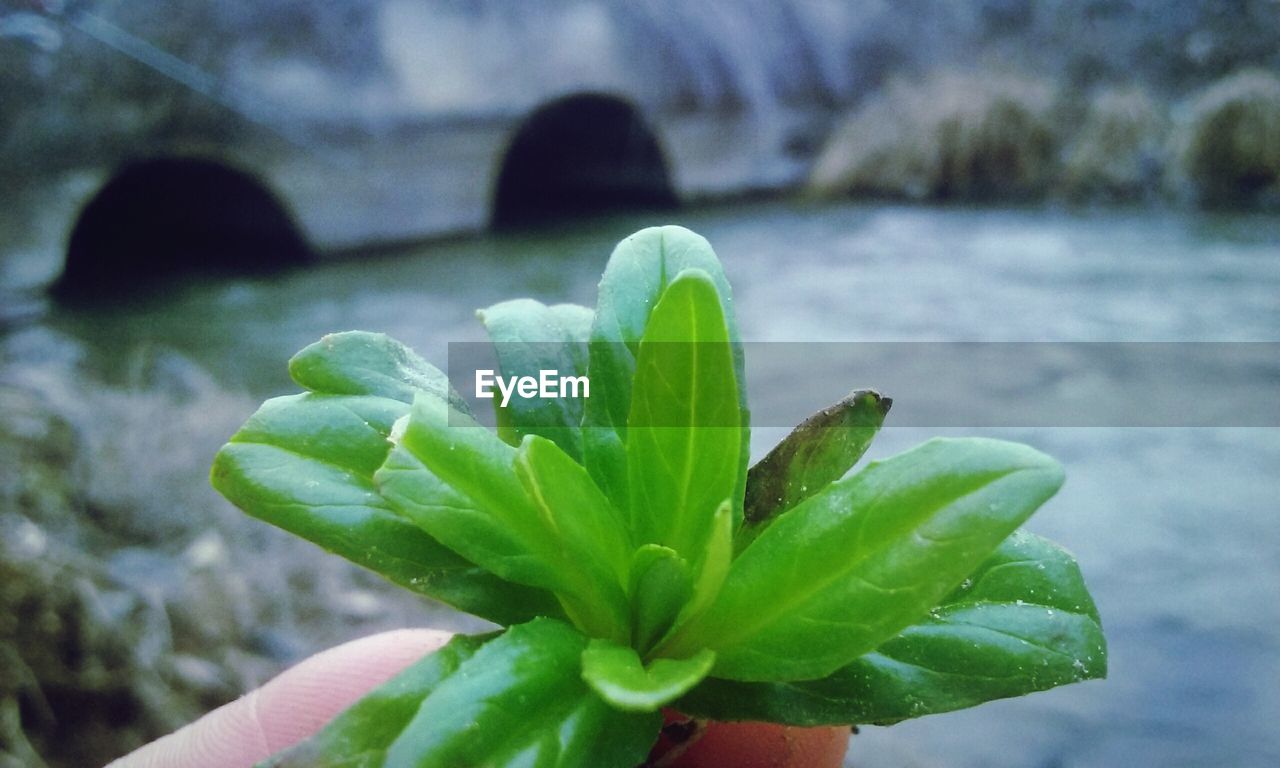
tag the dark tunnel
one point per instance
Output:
(579, 156)
(162, 218)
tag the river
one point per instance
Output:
(1175, 527)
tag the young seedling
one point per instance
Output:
(633, 559)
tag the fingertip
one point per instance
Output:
(289, 708)
(302, 699)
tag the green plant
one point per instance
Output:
(635, 560)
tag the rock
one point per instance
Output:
(39, 452)
(132, 598)
(79, 681)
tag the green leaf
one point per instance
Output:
(710, 574)
(360, 736)
(346, 432)
(305, 463)
(661, 585)
(617, 674)
(362, 363)
(521, 701)
(529, 337)
(456, 521)
(1023, 622)
(684, 445)
(533, 516)
(637, 275)
(591, 538)
(713, 568)
(817, 453)
(857, 563)
(437, 462)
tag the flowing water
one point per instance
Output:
(1175, 528)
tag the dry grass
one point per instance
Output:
(1119, 152)
(950, 136)
(1228, 148)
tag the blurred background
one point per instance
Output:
(192, 190)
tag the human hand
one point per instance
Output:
(289, 708)
(697, 744)
(301, 700)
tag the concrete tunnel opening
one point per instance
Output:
(161, 218)
(580, 156)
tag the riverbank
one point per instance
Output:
(132, 598)
(957, 135)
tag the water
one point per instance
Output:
(1174, 528)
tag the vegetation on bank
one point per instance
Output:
(950, 136)
(982, 136)
(1229, 150)
(1118, 151)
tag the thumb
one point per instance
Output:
(701, 744)
(290, 707)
